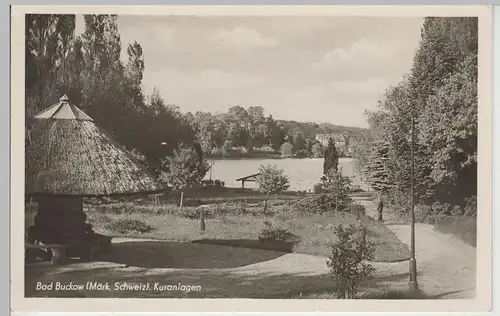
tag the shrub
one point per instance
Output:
(442, 208)
(462, 227)
(302, 153)
(219, 184)
(357, 209)
(194, 213)
(424, 214)
(433, 213)
(274, 233)
(212, 184)
(320, 203)
(470, 208)
(318, 188)
(193, 202)
(348, 260)
(124, 226)
(337, 186)
(271, 180)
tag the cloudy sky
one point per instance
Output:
(322, 69)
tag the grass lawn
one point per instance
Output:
(239, 224)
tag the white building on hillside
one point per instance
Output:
(339, 139)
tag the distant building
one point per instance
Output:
(339, 139)
(265, 148)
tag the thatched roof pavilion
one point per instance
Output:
(67, 154)
(69, 157)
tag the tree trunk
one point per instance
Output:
(336, 203)
(202, 220)
(339, 287)
(380, 208)
(265, 202)
(182, 198)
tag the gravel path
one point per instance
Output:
(446, 266)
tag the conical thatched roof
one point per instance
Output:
(68, 154)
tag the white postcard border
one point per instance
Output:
(483, 301)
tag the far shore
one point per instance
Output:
(261, 156)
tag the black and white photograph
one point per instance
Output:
(293, 157)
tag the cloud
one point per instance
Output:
(208, 82)
(210, 63)
(217, 79)
(242, 37)
(362, 51)
(369, 86)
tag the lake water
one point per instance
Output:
(303, 174)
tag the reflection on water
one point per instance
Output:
(302, 173)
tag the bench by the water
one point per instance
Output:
(250, 178)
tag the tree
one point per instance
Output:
(135, 65)
(237, 135)
(271, 180)
(440, 95)
(226, 147)
(309, 144)
(103, 78)
(89, 70)
(449, 129)
(286, 149)
(74, 66)
(317, 150)
(185, 169)
(256, 114)
(337, 186)
(274, 134)
(360, 153)
(134, 72)
(48, 42)
(376, 169)
(331, 160)
(348, 262)
(240, 116)
(205, 130)
(221, 129)
(299, 142)
(256, 126)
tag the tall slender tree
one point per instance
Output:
(331, 160)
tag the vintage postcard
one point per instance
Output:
(251, 158)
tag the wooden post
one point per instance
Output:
(362, 231)
(265, 202)
(182, 197)
(363, 235)
(202, 220)
(242, 184)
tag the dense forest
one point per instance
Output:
(440, 95)
(89, 70)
